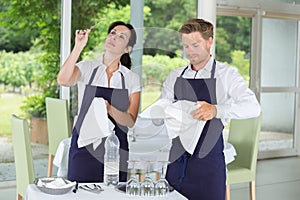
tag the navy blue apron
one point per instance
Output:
(86, 164)
(200, 176)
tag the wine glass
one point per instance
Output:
(147, 186)
(162, 186)
(133, 187)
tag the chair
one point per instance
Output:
(22, 155)
(243, 135)
(58, 123)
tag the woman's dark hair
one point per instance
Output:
(125, 58)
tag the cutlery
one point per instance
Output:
(98, 186)
(65, 181)
(95, 189)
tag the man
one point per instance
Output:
(222, 94)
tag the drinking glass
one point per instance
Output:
(133, 187)
(147, 186)
(162, 185)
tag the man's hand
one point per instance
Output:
(205, 112)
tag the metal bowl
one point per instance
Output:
(52, 191)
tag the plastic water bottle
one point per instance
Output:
(111, 160)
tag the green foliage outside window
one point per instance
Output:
(42, 18)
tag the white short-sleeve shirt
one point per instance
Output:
(132, 80)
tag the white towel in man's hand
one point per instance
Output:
(156, 110)
(95, 125)
(178, 120)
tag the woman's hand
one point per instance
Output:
(125, 118)
(205, 112)
(108, 107)
(81, 37)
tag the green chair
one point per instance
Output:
(58, 123)
(243, 135)
(22, 155)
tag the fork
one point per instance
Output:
(99, 187)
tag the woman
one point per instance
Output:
(108, 77)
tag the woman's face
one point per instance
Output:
(117, 40)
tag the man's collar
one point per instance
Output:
(207, 67)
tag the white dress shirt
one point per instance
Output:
(132, 80)
(234, 98)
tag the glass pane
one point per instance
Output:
(278, 121)
(283, 1)
(233, 43)
(279, 53)
(162, 50)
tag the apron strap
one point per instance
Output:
(93, 75)
(212, 70)
(183, 161)
(183, 71)
(123, 80)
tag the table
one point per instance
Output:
(148, 141)
(61, 156)
(33, 193)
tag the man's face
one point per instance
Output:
(196, 48)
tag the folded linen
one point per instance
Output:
(61, 157)
(178, 120)
(55, 183)
(95, 125)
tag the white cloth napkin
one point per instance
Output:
(55, 183)
(229, 152)
(95, 125)
(178, 120)
(61, 157)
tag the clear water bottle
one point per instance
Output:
(111, 160)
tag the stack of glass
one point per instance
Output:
(148, 187)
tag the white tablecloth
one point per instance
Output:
(61, 157)
(33, 193)
(150, 143)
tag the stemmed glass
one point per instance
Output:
(133, 186)
(147, 186)
(162, 185)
